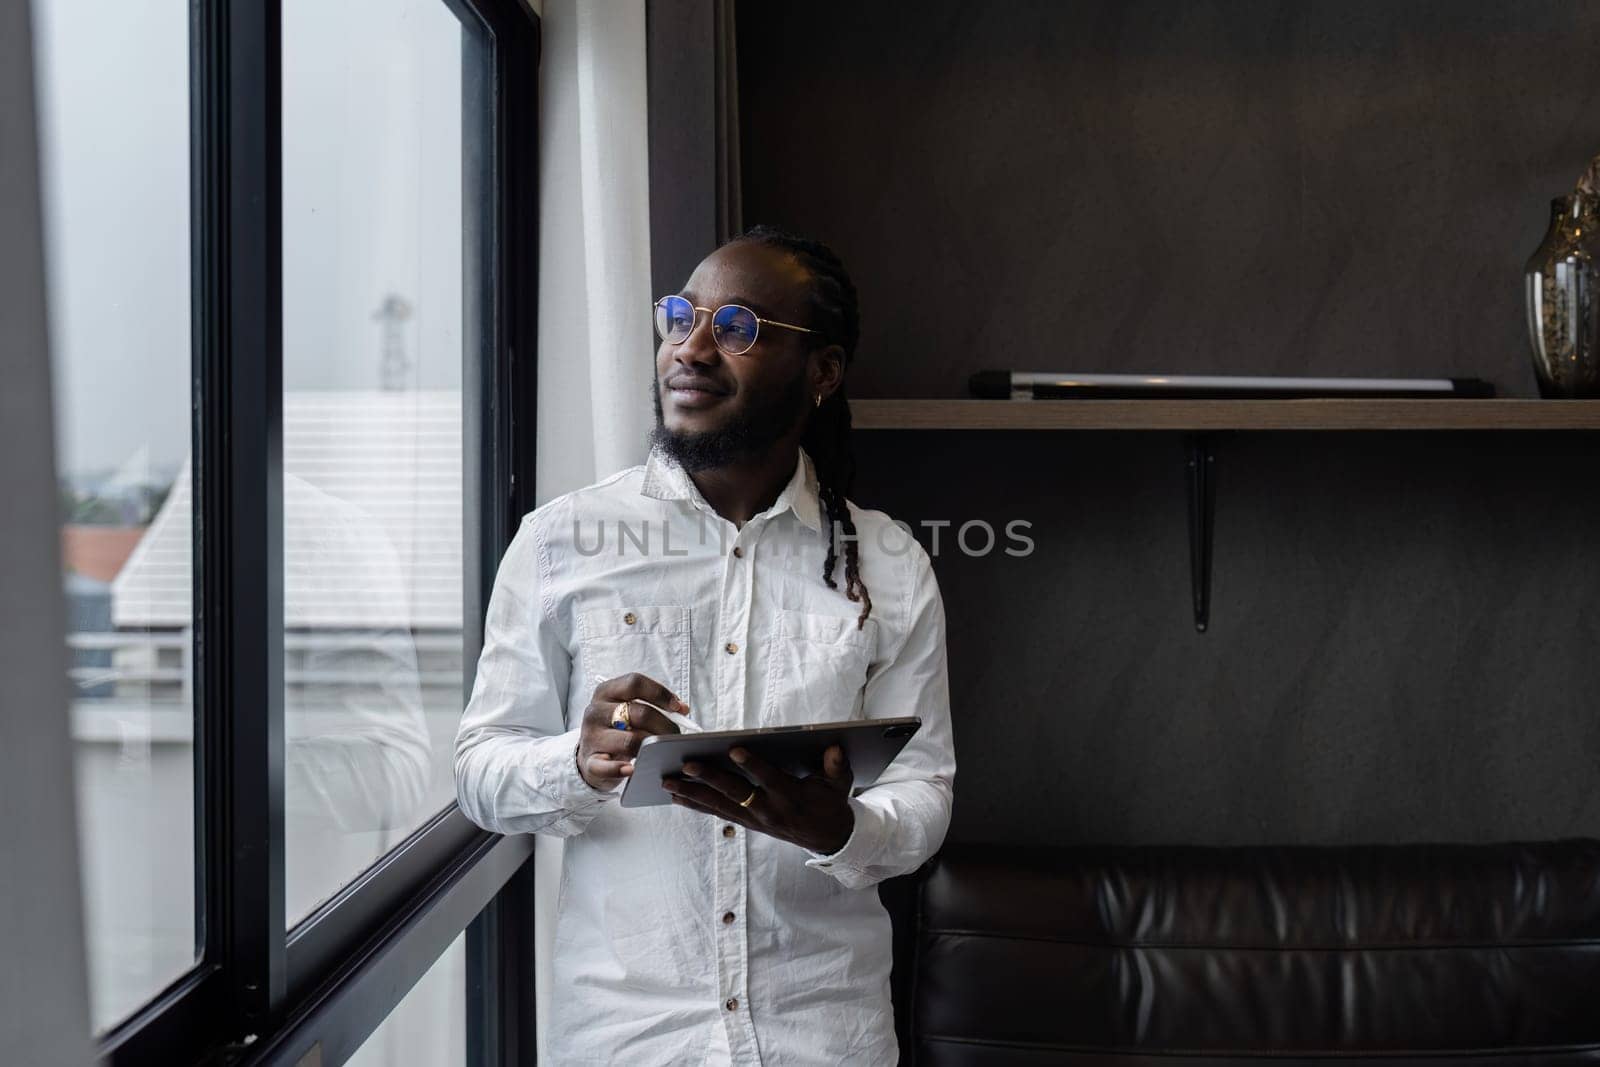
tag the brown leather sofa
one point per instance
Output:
(1196, 956)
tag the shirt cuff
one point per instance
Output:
(859, 849)
(569, 781)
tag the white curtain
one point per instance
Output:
(44, 985)
(595, 348)
(595, 340)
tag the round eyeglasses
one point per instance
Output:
(734, 327)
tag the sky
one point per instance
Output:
(372, 189)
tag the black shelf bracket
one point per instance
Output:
(1202, 477)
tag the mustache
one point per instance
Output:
(751, 428)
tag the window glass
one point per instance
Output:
(112, 85)
(373, 363)
(428, 1028)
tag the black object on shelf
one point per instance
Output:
(1048, 385)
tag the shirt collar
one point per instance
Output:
(665, 479)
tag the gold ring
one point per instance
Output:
(745, 803)
(619, 718)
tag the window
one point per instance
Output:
(280, 236)
(114, 134)
(374, 354)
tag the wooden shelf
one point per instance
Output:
(1196, 415)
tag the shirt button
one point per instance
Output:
(630, 618)
(730, 648)
(732, 1004)
(738, 552)
(727, 831)
(727, 918)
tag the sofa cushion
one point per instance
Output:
(1394, 952)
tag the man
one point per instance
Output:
(739, 925)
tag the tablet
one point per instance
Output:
(870, 745)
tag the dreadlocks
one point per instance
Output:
(827, 434)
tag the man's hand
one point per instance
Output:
(813, 812)
(605, 754)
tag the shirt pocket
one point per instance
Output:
(817, 668)
(650, 639)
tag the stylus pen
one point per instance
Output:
(685, 724)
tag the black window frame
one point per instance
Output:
(260, 991)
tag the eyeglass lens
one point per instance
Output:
(734, 328)
(674, 319)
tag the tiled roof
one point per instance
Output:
(98, 552)
(372, 519)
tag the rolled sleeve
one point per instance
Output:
(901, 820)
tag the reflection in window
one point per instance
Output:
(373, 304)
(112, 85)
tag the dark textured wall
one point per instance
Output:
(680, 47)
(1268, 186)
(1404, 640)
(1405, 637)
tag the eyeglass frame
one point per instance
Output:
(712, 314)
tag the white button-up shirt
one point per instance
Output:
(680, 938)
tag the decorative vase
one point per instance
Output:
(1563, 306)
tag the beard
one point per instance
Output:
(749, 432)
